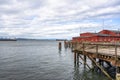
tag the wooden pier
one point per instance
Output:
(99, 53)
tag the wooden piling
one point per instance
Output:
(96, 49)
(65, 44)
(75, 58)
(93, 65)
(100, 62)
(84, 62)
(115, 54)
(60, 46)
(84, 55)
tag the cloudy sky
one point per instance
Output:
(46, 19)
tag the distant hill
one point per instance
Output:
(8, 39)
(36, 39)
(61, 39)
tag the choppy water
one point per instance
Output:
(40, 60)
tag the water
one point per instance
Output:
(40, 60)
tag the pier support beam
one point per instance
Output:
(100, 68)
(101, 62)
(84, 61)
(84, 55)
(93, 65)
(75, 58)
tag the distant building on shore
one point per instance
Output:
(102, 36)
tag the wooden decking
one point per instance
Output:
(108, 52)
(104, 52)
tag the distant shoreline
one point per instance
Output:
(8, 40)
(24, 39)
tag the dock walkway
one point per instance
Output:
(99, 53)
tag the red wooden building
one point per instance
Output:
(102, 36)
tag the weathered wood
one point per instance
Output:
(116, 54)
(84, 55)
(84, 61)
(60, 46)
(117, 76)
(100, 68)
(104, 52)
(75, 58)
(96, 49)
(93, 65)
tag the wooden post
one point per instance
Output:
(84, 55)
(118, 68)
(72, 46)
(115, 54)
(75, 58)
(96, 49)
(93, 65)
(100, 62)
(60, 46)
(84, 62)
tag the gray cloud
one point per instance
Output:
(52, 18)
(33, 4)
(5, 2)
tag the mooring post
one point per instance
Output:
(75, 58)
(72, 46)
(65, 44)
(60, 46)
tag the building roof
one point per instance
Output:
(99, 34)
(115, 31)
